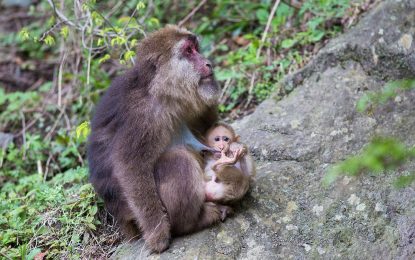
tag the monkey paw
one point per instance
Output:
(159, 239)
(225, 212)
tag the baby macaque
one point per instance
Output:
(229, 170)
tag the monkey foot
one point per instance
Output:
(225, 212)
(159, 240)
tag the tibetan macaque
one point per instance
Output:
(135, 140)
(229, 173)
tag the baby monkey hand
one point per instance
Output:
(235, 146)
(225, 160)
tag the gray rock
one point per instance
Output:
(5, 140)
(20, 3)
(288, 213)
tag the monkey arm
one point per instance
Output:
(247, 164)
(185, 136)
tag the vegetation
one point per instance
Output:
(66, 54)
(382, 154)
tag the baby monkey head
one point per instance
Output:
(220, 136)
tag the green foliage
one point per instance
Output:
(247, 21)
(12, 104)
(390, 90)
(380, 155)
(53, 215)
(83, 130)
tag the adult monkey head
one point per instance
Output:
(138, 119)
(182, 73)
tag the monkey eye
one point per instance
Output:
(226, 139)
(189, 50)
(217, 180)
(217, 139)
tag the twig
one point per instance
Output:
(5, 256)
(47, 167)
(251, 88)
(26, 128)
(61, 15)
(191, 13)
(49, 134)
(39, 168)
(261, 45)
(88, 70)
(150, 7)
(60, 80)
(293, 3)
(225, 87)
(265, 33)
(24, 135)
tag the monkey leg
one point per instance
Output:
(144, 205)
(180, 182)
(212, 213)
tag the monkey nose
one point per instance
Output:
(209, 67)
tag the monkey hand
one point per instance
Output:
(225, 211)
(228, 160)
(235, 146)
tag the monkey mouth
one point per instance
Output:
(208, 88)
(207, 78)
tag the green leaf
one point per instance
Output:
(49, 40)
(83, 130)
(140, 5)
(288, 43)
(24, 34)
(362, 103)
(153, 21)
(404, 181)
(104, 59)
(128, 55)
(317, 36)
(64, 32)
(262, 15)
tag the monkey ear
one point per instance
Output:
(237, 138)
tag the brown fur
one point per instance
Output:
(132, 129)
(236, 183)
(232, 179)
(179, 179)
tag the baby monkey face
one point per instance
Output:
(220, 138)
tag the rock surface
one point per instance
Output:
(288, 213)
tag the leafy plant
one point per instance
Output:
(380, 155)
(52, 216)
(389, 91)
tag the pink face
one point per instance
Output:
(190, 50)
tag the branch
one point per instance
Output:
(261, 45)
(192, 13)
(265, 33)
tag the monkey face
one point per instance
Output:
(220, 138)
(183, 74)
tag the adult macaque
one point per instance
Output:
(134, 139)
(229, 173)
